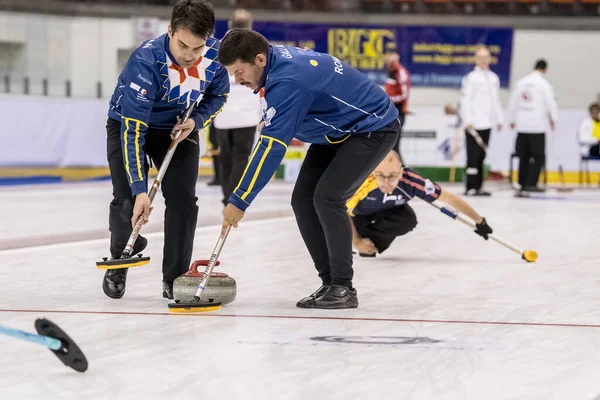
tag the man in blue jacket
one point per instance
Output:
(351, 125)
(161, 79)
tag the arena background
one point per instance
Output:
(59, 62)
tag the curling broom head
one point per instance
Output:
(70, 354)
(123, 263)
(530, 256)
(194, 307)
(564, 189)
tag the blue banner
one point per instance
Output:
(434, 56)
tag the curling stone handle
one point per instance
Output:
(200, 263)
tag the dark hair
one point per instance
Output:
(541, 64)
(242, 44)
(594, 105)
(197, 16)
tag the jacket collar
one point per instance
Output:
(168, 49)
(270, 58)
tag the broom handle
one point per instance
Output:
(51, 343)
(478, 139)
(211, 264)
(472, 224)
(154, 189)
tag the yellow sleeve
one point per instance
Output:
(362, 192)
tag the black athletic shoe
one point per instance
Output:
(309, 300)
(337, 297)
(114, 281)
(533, 189)
(368, 255)
(168, 290)
(477, 192)
(522, 193)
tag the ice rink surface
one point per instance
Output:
(443, 314)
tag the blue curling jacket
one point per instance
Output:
(315, 98)
(152, 91)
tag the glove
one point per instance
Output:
(483, 229)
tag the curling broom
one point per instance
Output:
(197, 304)
(563, 188)
(126, 261)
(52, 337)
(478, 139)
(527, 255)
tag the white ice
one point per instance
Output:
(443, 314)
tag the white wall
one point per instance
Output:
(82, 49)
(86, 50)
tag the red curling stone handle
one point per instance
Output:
(201, 263)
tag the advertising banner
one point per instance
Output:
(434, 56)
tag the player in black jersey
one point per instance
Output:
(379, 209)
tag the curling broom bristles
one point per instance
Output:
(187, 310)
(183, 308)
(530, 256)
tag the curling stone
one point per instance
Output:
(221, 287)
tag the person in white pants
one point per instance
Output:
(532, 111)
(480, 111)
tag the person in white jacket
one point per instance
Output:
(532, 111)
(588, 132)
(236, 125)
(480, 111)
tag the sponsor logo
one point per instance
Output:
(145, 80)
(284, 52)
(269, 115)
(377, 340)
(361, 48)
(429, 187)
(419, 134)
(314, 63)
(141, 95)
(397, 199)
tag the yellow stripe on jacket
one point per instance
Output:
(363, 191)
(136, 147)
(257, 172)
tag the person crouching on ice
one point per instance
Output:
(379, 210)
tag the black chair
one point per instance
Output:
(584, 168)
